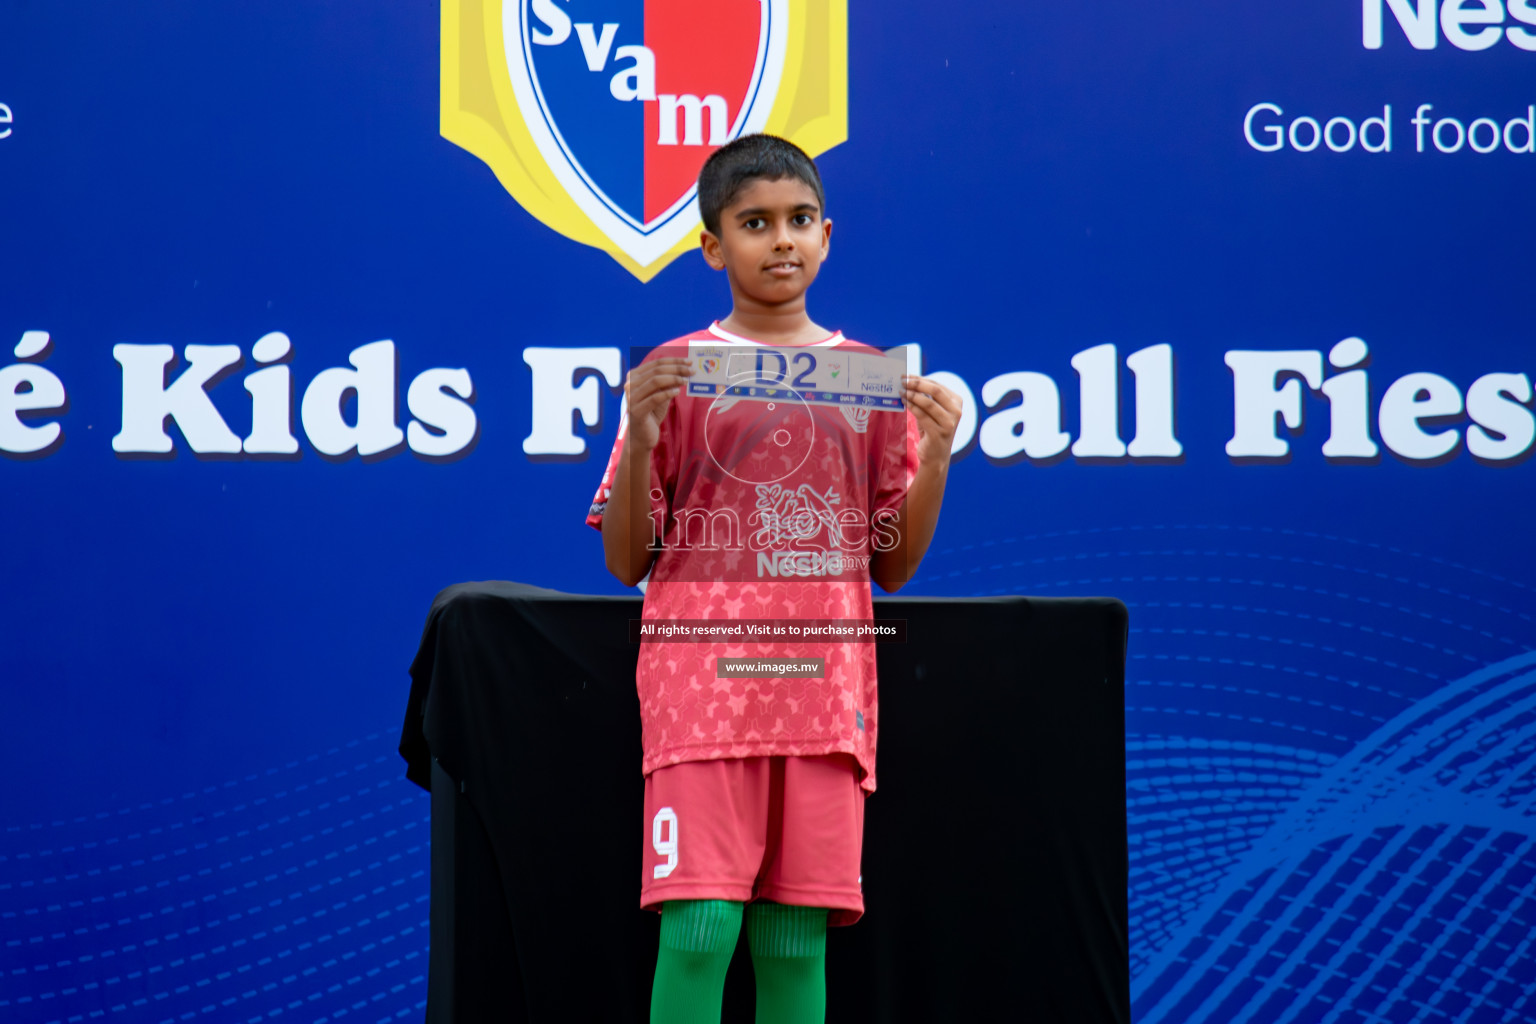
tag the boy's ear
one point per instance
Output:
(709, 245)
(826, 239)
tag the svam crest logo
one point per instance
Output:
(596, 115)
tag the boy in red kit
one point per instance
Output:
(761, 508)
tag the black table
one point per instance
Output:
(994, 851)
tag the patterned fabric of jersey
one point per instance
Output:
(765, 511)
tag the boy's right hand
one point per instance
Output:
(648, 391)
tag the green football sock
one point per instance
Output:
(697, 940)
(789, 959)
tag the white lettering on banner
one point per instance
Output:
(1153, 369)
(1454, 14)
(1032, 427)
(6, 120)
(371, 381)
(1349, 403)
(1450, 141)
(1522, 11)
(1498, 405)
(1276, 133)
(1020, 413)
(271, 392)
(556, 395)
(692, 109)
(148, 402)
(444, 426)
(1098, 435)
(30, 388)
(1265, 130)
(1421, 418)
(1419, 23)
(1415, 397)
(557, 24)
(638, 81)
(593, 48)
(1256, 401)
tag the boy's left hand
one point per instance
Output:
(938, 415)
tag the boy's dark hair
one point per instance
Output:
(735, 165)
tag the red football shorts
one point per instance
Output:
(786, 829)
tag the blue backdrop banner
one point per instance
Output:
(308, 310)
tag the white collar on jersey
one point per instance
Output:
(736, 339)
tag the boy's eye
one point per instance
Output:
(753, 223)
(802, 219)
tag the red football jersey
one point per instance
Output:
(764, 510)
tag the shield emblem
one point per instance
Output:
(601, 112)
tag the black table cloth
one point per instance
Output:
(994, 851)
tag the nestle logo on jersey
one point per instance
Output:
(809, 563)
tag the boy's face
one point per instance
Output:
(772, 241)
